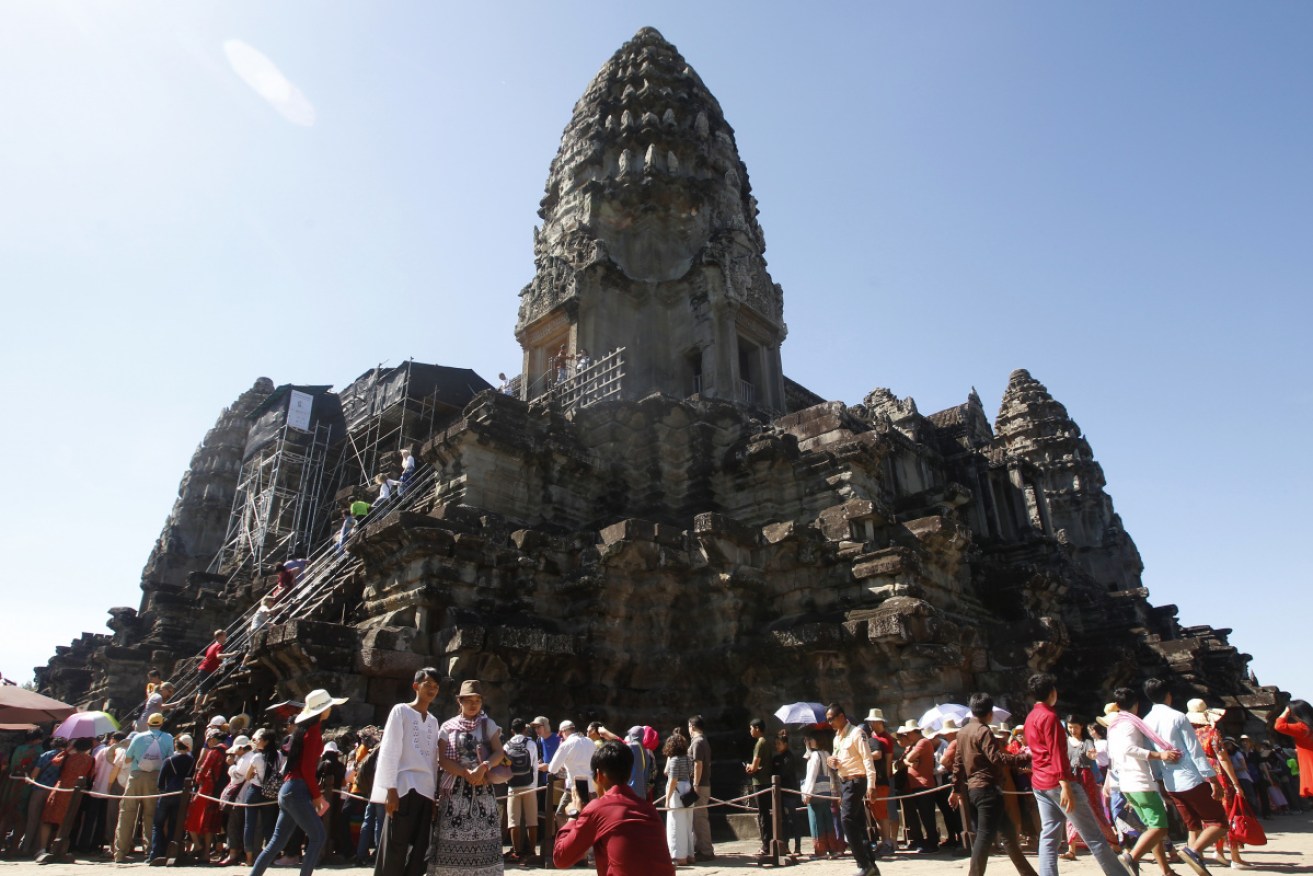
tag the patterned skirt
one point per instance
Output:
(466, 833)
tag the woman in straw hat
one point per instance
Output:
(300, 803)
(467, 830)
(1204, 720)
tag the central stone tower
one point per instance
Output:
(650, 243)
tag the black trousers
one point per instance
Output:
(990, 819)
(921, 819)
(765, 818)
(952, 821)
(405, 840)
(852, 815)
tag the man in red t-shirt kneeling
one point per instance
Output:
(624, 831)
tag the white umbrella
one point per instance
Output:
(999, 716)
(801, 713)
(934, 719)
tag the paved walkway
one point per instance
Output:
(1289, 851)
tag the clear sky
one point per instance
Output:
(1115, 196)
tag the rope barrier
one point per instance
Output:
(198, 795)
(935, 790)
(97, 794)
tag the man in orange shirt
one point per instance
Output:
(919, 757)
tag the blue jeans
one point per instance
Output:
(370, 828)
(295, 809)
(166, 820)
(259, 820)
(1053, 820)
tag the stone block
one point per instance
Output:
(463, 638)
(631, 529)
(378, 662)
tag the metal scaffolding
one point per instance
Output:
(279, 504)
(383, 417)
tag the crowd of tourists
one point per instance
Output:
(423, 795)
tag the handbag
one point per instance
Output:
(690, 797)
(1242, 824)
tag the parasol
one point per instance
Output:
(934, 719)
(21, 706)
(801, 713)
(81, 724)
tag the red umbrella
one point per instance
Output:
(21, 706)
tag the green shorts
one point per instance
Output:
(1149, 806)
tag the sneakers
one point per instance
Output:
(1132, 865)
(1192, 859)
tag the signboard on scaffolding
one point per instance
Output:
(298, 410)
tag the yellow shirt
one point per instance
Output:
(854, 755)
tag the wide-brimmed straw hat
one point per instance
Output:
(875, 715)
(1197, 712)
(242, 742)
(316, 703)
(909, 726)
(155, 720)
(1109, 709)
(948, 728)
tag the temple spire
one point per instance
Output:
(650, 241)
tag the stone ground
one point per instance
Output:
(1289, 850)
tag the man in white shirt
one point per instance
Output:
(1187, 781)
(1129, 754)
(852, 762)
(574, 760)
(406, 780)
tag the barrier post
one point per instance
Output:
(548, 833)
(60, 846)
(175, 847)
(777, 819)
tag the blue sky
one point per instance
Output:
(1114, 196)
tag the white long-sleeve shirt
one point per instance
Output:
(819, 774)
(575, 759)
(407, 756)
(1129, 756)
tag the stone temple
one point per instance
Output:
(651, 520)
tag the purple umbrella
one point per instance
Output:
(81, 724)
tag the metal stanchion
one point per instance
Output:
(60, 846)
(547, 842)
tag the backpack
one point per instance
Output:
(273, 779)
(517, 751)
(153, 757)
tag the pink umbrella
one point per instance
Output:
(81, 724)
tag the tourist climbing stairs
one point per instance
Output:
(315, 592)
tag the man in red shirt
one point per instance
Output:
(1057, 793)
(211, 659)
(625, 832)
